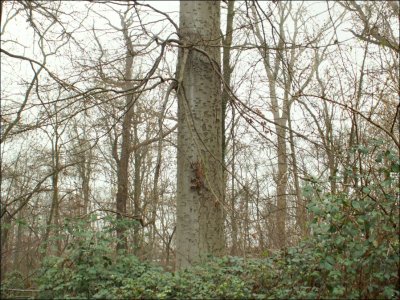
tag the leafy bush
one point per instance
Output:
(91, 269)
(352, 252)
(219, 278)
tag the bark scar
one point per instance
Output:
(197, 182)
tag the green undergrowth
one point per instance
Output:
(352, 252)
(307, 271)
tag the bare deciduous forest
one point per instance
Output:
(200, 149)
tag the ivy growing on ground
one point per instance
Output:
(352, 252)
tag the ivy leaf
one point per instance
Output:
(366, 190)
(362, 149)
(307, 191)
(356, 204)
(387, 182)
(379, 157)
(395, 168)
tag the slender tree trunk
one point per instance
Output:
(261, 242)
(84, 158)
(234, 226)
(301, 213)
(200, 182)
(85, 170)
(123, 160)
(155, 199)
(5, 236)
(282, 181)
(157, 173)
(122, 177)
(280, 119)
(136, 193)
(54, 210)
(18, 244)
(246, 225)
(327, 138)
(227, 69)
(227, 74)
(86, 188)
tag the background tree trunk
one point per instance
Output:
(227, 70)
(123, 160)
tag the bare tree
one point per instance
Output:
(280, 66)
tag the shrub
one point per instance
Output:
(352, 252)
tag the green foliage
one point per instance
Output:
(90, 269)
(223, 278)
(14, 280)
(352, 252)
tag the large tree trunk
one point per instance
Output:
(200, 177)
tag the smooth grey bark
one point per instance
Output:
(200, 183)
